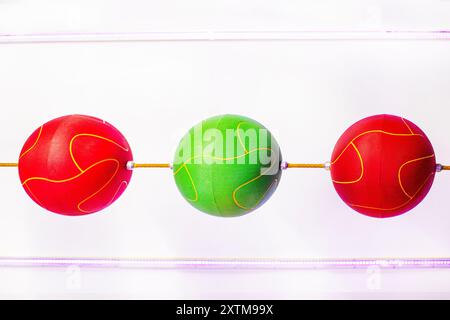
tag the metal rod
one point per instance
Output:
(8, 165)
(306, 166)
(152, 165)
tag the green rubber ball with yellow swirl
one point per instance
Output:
(227, 166)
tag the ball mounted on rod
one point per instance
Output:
(382, 166)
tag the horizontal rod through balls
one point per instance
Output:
(9, 165)
(152, 165)
(168, 165)
(306, 165)
(134, 165)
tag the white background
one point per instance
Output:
(306, 92)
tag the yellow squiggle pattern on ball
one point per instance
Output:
(352, 143)
(34, 144)
(82, 171)
(234, 195)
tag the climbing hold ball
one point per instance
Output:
(75, 165)
(383, 166)
(227, 166)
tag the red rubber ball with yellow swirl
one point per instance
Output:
(75, 165)
(383, 166)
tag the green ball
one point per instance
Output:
(227, 166)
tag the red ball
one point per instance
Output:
(75, 165)
(383, 166)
